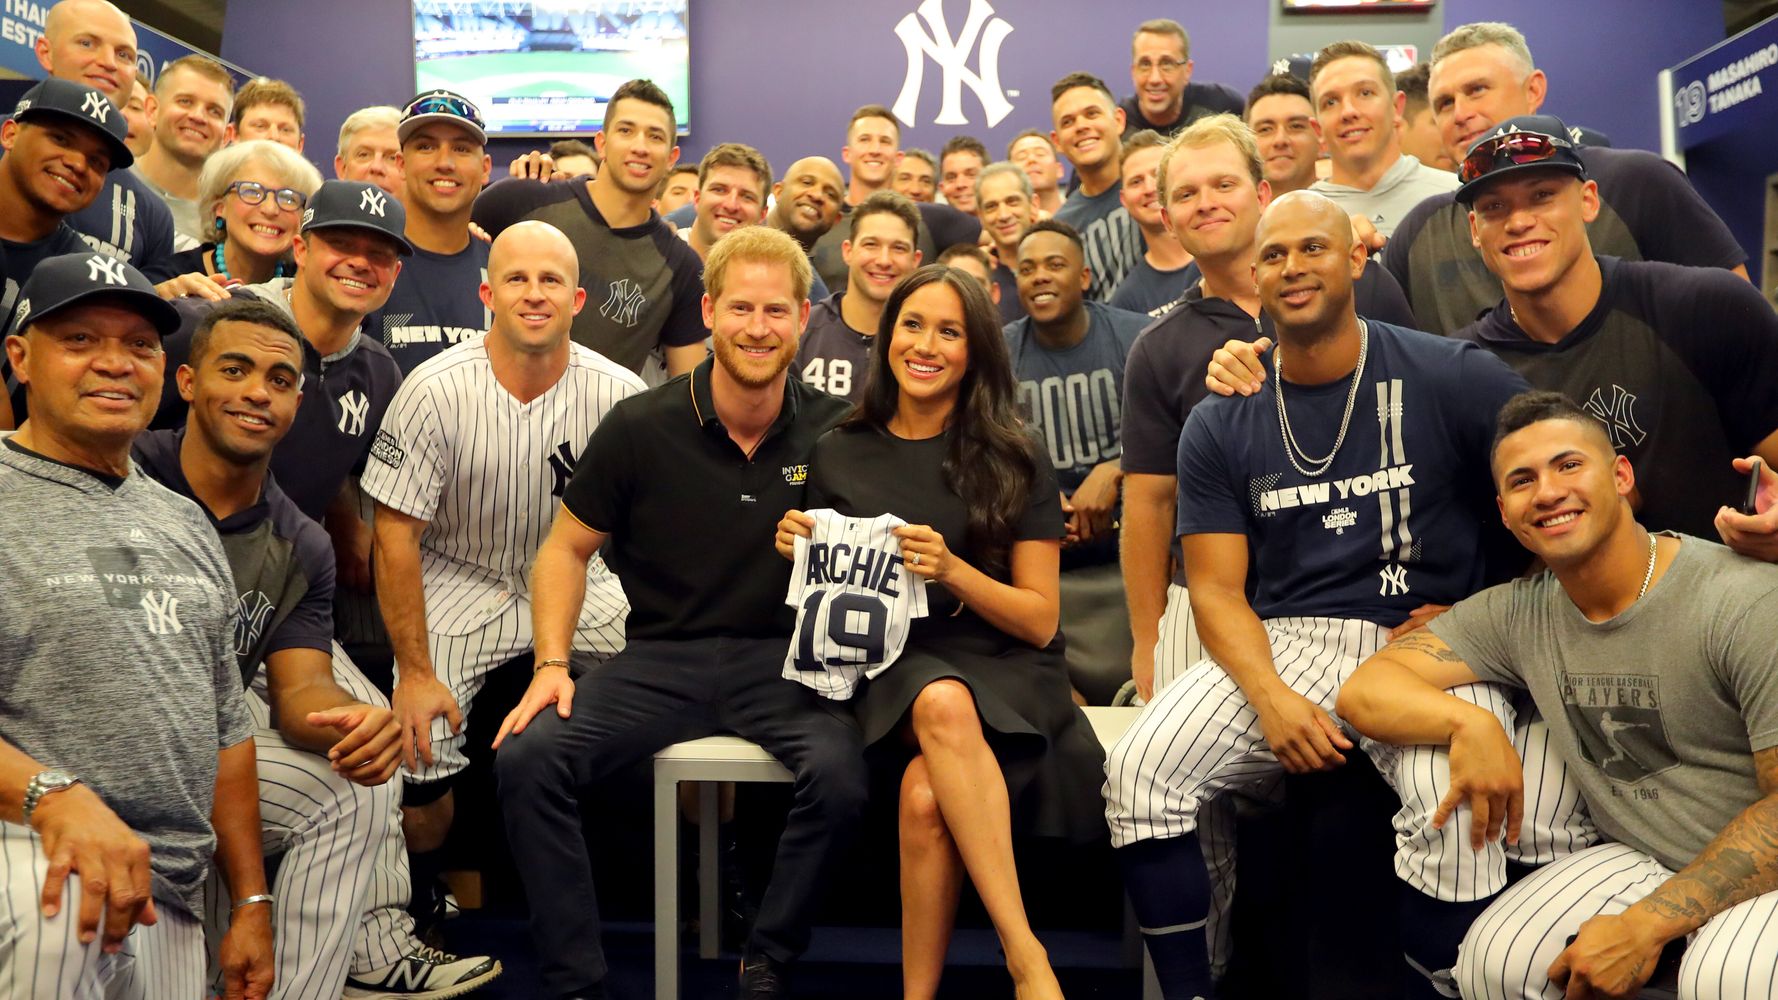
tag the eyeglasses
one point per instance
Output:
(1168, 67)
(444, 104)
(253, 192)
(1513, 149)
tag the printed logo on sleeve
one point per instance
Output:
(385, 450)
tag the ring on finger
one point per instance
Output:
(915, 560)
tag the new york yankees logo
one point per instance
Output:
(373, 201)
(354, 410)
(623, 302)
(562, 464)
(1618, 416)
(110, 269)
(252, 611)
(952, 56)
(96, 107)
(1395, 580)
(162, 609)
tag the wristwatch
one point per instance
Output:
(42, 784)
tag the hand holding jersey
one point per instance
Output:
(854, 604)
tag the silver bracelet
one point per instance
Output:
(264, 897)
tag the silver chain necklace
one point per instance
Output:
(1291, 448)
(1650, 575)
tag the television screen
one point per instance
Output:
(539, 67)
(1356, 6)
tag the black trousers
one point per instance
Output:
(651, 695)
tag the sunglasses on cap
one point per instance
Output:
(1511, 150)
(444, 104)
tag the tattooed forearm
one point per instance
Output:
(1741, 863)
(1425, 644)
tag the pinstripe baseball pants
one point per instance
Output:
(42, 959)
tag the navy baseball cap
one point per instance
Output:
(77, 102)
(1528, 142)
(442, 106)
(355, 204)
(71, 279)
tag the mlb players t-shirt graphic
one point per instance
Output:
(1617, 723)
(854, 602)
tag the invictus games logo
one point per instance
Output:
(983, 32)
(796, 475)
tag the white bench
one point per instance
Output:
(730, 758)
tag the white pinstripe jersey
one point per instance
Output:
(458, 450)
(855, 602)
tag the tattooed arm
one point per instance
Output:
(1399, 696)
(1616, 954)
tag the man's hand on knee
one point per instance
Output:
(81, 835)
(1301, 733)
(1611, 957)
(549, 686)
(1485, 772)
(417, 701)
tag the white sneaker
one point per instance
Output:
(425, 974)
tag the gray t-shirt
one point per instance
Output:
(188, 230)
(1401, 188)
(1657, 712)
(116, 629)
(1112, 240)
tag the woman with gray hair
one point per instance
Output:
(251, 197)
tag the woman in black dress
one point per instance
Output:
(980, 691)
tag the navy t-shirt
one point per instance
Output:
(435, 303)
(831, 356)
(1164, 377)
(344, 397)
(1679, 363)
(1113, 243)
(281, 561)
(941, 227)
(644, 285)
(1647, 211)
(1146, 289)
(1200, 100)
(1011, 306)
(1401, 517)
(17, 261)
(129, 221)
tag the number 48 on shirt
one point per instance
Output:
(854, 602)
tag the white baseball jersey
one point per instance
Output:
(854, 601)
(487, 472)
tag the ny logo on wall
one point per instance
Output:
(952, 56)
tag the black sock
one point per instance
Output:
(1431, 930)
(1170, 891)
(424, 869)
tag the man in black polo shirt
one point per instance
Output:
(1212, 185)
(641, 280)
(708, 628)
(1482, 75)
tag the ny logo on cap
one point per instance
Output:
(96, 106)
(308, 217)
(23, 106)
(1506, 130)
(1281, 67)
(100, 266)
(24, 314)
(373, 201)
